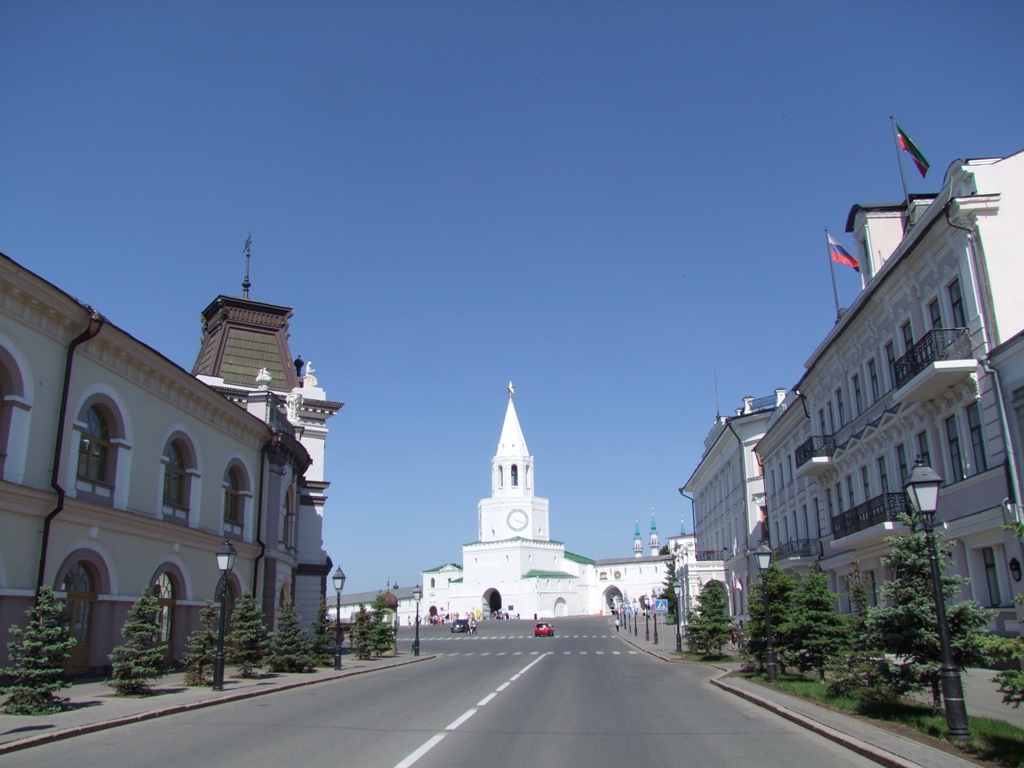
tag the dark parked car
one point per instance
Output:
(543, 629)
(460, 625)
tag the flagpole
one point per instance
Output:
(832, 270)
(899, 159)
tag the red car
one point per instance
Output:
(543, 629)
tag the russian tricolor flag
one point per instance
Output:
(840, 254)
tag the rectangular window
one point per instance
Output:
(901, 458)
(789, 466)
(977, 438)
(839, 497)
(872, 587)
(821, 421)
(873, 379)
(817, 515)
(935, 314)
(831, 421)
(858, 397)
(991, 576)
(883, 474)
(866, 482)
(840, 407)
(955, 459)
(908, 336)
(923, 454)
(807, 529)
(956, 303)
(890, 360)
(849, 491)
(773, 489)
(828, 503)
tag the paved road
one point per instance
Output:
(502, 698)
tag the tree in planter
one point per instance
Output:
(289, 644)
(202, 647)
(247, 643)
(382, 631)
(37, 654)
(359, 634)
(906, 627)
(814, 633)
(323, 635)
(780, 587)
(141, 658)
(709, 627)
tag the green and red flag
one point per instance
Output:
(910, 147)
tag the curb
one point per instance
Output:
(79, 730)
(862, 748)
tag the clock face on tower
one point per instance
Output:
(517, 520)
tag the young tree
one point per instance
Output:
(382, 631)
(906, 625)
(709, 626)
(780, 587)
(247, 644)
(359, 634)
(814, 633)
(289, 644)
(323, 634)
(202, 647)
(668, 589)
(141, 658)
(37, 654)
(1010, 681)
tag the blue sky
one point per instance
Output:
(607, 203)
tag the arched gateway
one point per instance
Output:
(491, 602)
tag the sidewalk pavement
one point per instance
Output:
(96, 707)
(980, 695)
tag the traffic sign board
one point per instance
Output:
(661, 605)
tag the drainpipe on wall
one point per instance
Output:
(264, 452)
(96, 322)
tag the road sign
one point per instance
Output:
(661, 605)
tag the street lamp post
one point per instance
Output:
(226, 556)
(647, 621)
(922, 488)
(764, 560)
(636, 627)
(417, 593)
(655, 622)
(339, 584)
(679, 617)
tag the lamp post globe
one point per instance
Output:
(417, 593)
(922, 489)
(226, 557)
(764, 561)
(339, 584)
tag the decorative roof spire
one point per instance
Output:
(511, 442)
(636, 531)
(245, 283)
(654, 525)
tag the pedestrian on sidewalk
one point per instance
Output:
(616, 624)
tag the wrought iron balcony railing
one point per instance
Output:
(814, 446)
(937, 344)
(795, 548)
(885, 508)
(709, 554)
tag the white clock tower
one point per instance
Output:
(512, 511)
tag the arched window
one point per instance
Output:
(179, 471)
(501, 477)
(431, 582)
(174, 475)
(234, 502)
(164, 590)
(94, 447)
(80, 586)
(514, 475)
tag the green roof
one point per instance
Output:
(442, 567)
(549, 575)
(456, 581)
(579, 559)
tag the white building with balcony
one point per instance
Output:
(911, 370)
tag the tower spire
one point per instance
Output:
(245, 283)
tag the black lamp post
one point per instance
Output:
(417, 593)
(339, 584)
(636, 627)
(647, 620)
(679, 617)
(922, 488)
(226, 556)
(655, 620)
(764, 560)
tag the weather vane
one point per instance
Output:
(511, 389)
(246, 283)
